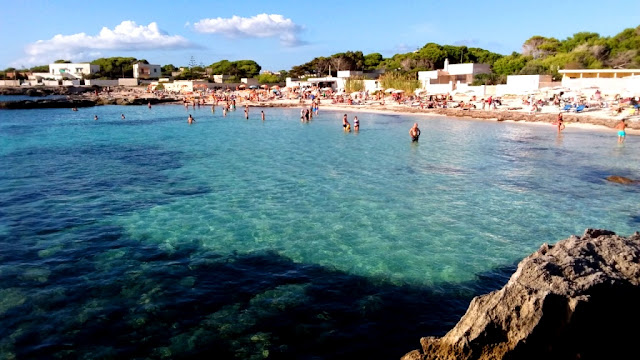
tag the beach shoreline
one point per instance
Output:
(581, 121)
(594, 119)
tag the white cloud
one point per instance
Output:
(127, 36)
(260, 26)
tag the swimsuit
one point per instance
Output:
(621, 133)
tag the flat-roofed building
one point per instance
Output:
(598, 73)
(72, 70)
(609, 81)
(146, 71)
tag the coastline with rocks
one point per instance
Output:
(576, 299)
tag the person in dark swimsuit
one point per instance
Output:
(414, 132)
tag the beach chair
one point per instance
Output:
(580, 108)
(566, 107)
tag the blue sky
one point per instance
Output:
(281, 34)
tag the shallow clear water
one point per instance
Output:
(247, 239)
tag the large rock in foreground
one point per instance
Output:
(578, 299)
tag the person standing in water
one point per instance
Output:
(621, 133)
(414, 132)
(122, 116)
(190, 119)
(95, 117)
(345, 122)
(149, 104)
(262, 114)
(560, 123)
(356, 124)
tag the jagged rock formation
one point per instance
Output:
(578, 299)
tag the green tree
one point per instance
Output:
(540, 46)
(115, 67)
(268, 79)
(482, 56)
(511, 64)
(489, 79)
(372, 61)
(168, 69)
(62, 62)
(240, 68)
(40, 68)
(577, 39)
(247, 68)
(534, 67)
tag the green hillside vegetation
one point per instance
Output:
(539, 55)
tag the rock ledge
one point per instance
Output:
(578, 299)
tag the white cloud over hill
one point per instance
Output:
(259, 26)
(127, 36)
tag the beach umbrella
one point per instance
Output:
(275, 87)
(253, 86)
(389, 90)
(265, 86)
(398, 91)
(242, 86)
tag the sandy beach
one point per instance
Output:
(511, 109)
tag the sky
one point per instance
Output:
(282, 34)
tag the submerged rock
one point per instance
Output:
(621, 180)
(577, 299)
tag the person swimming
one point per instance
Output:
(414, 132)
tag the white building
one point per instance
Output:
(184, 86)
(445, 80)
(523, 84)
(72, 71)
(146, 71)
(219, 79)
(609, 81)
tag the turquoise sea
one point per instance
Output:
(241, 239)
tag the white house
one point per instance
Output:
(445, 80)
(72, 71)
(146, 71)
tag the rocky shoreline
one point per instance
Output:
(79, 103)
(573, 300)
